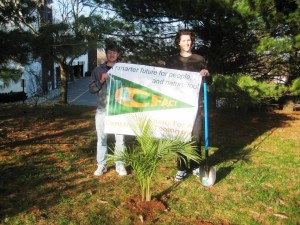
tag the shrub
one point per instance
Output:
(295, 87)
(12, 97)
(243, 92)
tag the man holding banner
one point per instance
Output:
(98, 85)
(188, 61)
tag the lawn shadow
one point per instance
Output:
(223, 172)
(43, 158)
(167, 191)
(232, 132)
(37, 183)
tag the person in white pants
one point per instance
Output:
(98, 85)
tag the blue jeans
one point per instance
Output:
(102, 140)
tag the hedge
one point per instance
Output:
(12, 97)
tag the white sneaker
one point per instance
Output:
(196, 172)
(180, 175)
(100, 171)
(121, 170)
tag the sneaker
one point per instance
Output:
(121, 170)
(100, 171)
(196, 172)
(180, 175)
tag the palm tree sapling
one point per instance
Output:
(149, 151)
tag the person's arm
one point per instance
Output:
(208, 78)
(97, 79)
(204, 72)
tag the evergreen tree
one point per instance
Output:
(222, 33)
(14, 43)
(276, 24)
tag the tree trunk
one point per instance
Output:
(64, 83)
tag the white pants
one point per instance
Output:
(102, 140)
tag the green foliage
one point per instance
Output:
(15, 51)
(274, 46)
(14, 45)
(297, 41)
(243, 36)
(9, 74)
(244, 92)
(11, 11)
(295, 87)
(221, 31)
(278, 30)
(145, 157)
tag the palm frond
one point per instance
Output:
(149, 151)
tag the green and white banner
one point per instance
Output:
(169, 98)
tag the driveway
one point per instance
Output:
(78, 93)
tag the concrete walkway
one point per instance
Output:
(78, 93)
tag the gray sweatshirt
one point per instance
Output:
(96, 87)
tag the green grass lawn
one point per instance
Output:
(48, 159)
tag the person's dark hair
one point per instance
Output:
(184, 32)
(112, 47)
